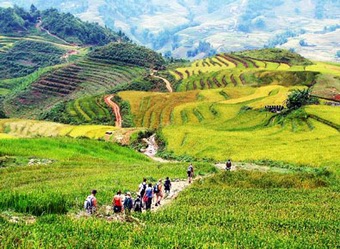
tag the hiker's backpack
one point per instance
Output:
(138, 205)
(142, 192)
(88, 204)
(128, 203)
(190, 168)
(155, 189)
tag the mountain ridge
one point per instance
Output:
(176, 28)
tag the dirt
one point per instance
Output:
(167, 83)
(38, 26)
(251, 166)
(115, 109)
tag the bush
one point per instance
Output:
(299, 98)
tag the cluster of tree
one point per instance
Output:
(276, 55)
(203, 47)
(27, 56)
(299, 98)
(282, 38)
(15, 20)
(73, 30)
(129, 53)
(252, 17)
(66, 26)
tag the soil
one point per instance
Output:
(115, 109)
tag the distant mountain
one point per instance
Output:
(197, 28)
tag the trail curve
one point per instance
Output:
(115, 109)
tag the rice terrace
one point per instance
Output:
(106, 143)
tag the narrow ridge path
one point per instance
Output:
(115, 109)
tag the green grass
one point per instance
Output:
(79, 166)
(239, 209)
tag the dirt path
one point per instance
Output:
(152, 149)
(177, 186)
(38, 26)
(115, 108)
(167, 83)
(251, 166)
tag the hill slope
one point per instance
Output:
(228, 25)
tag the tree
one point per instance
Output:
(33, 9)
(299, 98)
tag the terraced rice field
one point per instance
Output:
(75, 80)
(87, 76)
(90, 110)
(32, 128)
(154, 110)
(232, 70)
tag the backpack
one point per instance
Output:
(88, 204)
(190, 168)
(142, 191)
(155, 189)
(128, 203)
(138, 205)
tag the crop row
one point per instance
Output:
(89, 110)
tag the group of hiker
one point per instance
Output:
(124, 203)
(146, 195)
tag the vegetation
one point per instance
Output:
(25, 57)
(88, 110)
(73, 30)
(277, 55)
(17, 21)
(128, 53)
(299, 98)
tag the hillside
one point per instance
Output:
(311, 28)
(64, 27)
(90, 75)
(50, 61)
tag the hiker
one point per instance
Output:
(228, 165)
(147, 198)
(90, 203)
(117, 202)
(137, 206)
(142, 187)
(167, 185)
(128, 203)
(158, 190)
(190, 172)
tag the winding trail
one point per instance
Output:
(38, 26)
(115, 109)
(167, 83)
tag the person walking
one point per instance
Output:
(190, 172)
(90, 203)
(128, 203)
(228, 165)
(148, 196)
(142, 187)
(117, 202)
(159, 193)
(167, 186)
(137, 206)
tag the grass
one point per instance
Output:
(79, 165)
(329, 113)
(256, 143)
(242, 209)
(32, 128)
